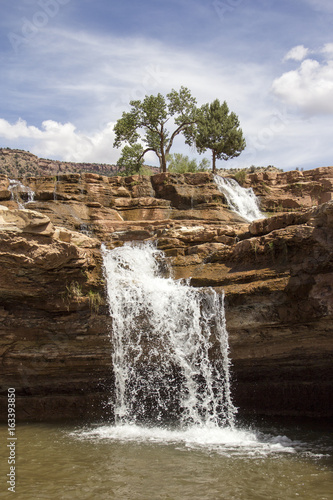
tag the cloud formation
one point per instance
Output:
(94, 91)
(309, 87)
(297, 53)
(63, 141)
(73, 77)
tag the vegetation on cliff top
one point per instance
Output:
(211, 126)
(218, 130)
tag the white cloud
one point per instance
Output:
(94, 89)
(63, 141)
(328, 50)
(310, 86)
(93, 77)
(19, 129)
(297, 53)
(89, 79)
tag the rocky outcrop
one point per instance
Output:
(278, 284)
(277, 275)
(102, 205)
(294, 190)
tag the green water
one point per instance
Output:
(60, 461)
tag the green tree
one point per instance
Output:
(180, 164)
(147, 120)
(131, 159)
(218, 130)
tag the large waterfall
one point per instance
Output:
(170, 361)
(170, 344)
(241, 200)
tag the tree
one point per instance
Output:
(180, 164)
(131, 159)
(219, 131)
(147, 121)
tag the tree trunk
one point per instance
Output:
(214, 162)
(162, 159)
(163, 164)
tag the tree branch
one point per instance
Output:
(176, 132)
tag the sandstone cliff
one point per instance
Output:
(54, 346)
(295, 190)
(277, 274)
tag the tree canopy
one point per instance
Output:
(218, 129)
(131, 159)
(147, 120)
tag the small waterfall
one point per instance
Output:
(170, 344)
(31, 196)
(241, 200)
(17, 188)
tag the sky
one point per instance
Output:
(69, 68)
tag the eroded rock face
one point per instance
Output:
(279, 302)
(294, 190)
(277, 275)
(92, 202)
(53, 322)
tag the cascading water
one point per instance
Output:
(17, 188)
(170, 344)
(171, 366)
(241, 200)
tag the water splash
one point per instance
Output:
(227, 441)
(241, 200)
(170, 344)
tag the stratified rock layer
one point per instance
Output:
(279, 305)
(53, 323)
(277, 275)
(294, 190)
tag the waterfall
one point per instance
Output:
(241, 200)
(170, 344)
(17, 188)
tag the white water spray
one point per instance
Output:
(170, 356)
(241, 200)
(170, 344)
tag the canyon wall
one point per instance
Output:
(277, 274)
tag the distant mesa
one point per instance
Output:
(18, 163)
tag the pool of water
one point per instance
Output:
(269, 460)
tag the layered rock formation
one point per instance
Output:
(294, 190)
(277, 274)
(54, 346)
(278, 283)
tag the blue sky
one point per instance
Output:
(70, 67)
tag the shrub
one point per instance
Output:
(240, 177)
